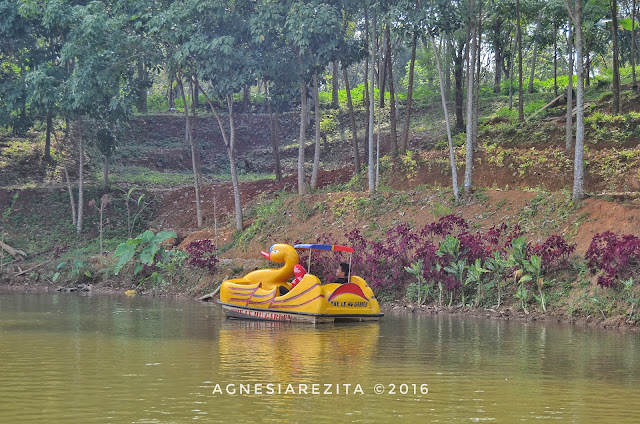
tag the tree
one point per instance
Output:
(615, 105)
(100, 84)
(574, 7)
(468, 173)
(519, 42)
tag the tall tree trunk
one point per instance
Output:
(80, 133)
(476, 100)
(497, 48)
(316, 152)
(520, 90)
(194, 152)
(468, 172)
(229, 143)
(141, 104)
(404, 141)
(383, 69)
(352, 119)
(365, 100)
(575, 12)
(447, 66)
(245, 99)
(302, 188)
(633, 46)
(66, 176)
(511, 65)
(534, 59)
(105, 174)
(47, 140)
(569, 126)
(392, 95)
(555, 59)
(275, 138)
(335, 100)
(458, 74)
(232, 162)
(372, 187)
(616, 65)
(171, 100)
(452, 159)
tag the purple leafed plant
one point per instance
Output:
(618, 257)
(202, 254)
(554, 252)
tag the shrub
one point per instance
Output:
(202, 254)
(617, 257)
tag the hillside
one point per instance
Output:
(522, 176)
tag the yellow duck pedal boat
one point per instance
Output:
(258, 295)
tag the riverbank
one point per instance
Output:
(504, 312)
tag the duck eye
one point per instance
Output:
(274, 251)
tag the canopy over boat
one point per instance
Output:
(334, 247)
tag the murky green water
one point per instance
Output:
(69, 358)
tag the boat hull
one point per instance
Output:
(240, 312)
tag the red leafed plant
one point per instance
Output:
(618, 257)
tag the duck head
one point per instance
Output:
(281, 253)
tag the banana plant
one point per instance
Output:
(457, 269)
(474, 276)
(416, 270)
(497, 266)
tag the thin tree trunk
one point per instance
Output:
(520, 90)
(232, 162)
(372, 188)
(302, 188)
(171, 101)
(275, 138)
(316, 153)
(245, 99)
(511, 65)
(194, 152)
(392, 96)
(404, 141)
(142, 92)
(66, 177)
(105, 174)
(335, 101)
(80, 132)
(47, 141)
(458, 74)
(229, 143)
(365, 100)
(497, 47)
(352, 118)
(633, 46)
(468, 172)
(534, 59)
(569, 125)
(616, 65)
(452, 159)
(383, 71)
(555, 59)
(477, 83)
(575, 12)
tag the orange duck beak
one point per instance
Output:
(265, 254)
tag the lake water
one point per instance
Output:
(68, 358)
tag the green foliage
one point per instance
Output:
(77, 271)
(148, 255)
(418, 291)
